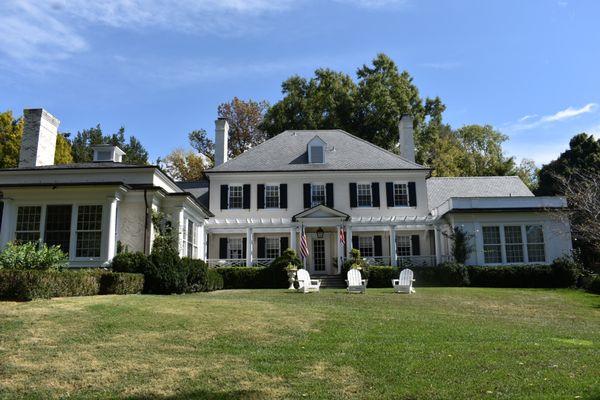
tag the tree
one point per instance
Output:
(185, 165)
(483, 151)
(528, 172)
(582, 158)
(11, 132)
(135, 153)
(62, 154)
(244, 118)
(200, 141)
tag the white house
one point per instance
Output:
(254, 206)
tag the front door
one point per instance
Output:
(320, 258)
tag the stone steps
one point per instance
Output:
(332, 281)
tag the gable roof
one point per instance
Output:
(287, 152)
(441, 189)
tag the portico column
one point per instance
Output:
(393, 245)
(204, 243)
(437, 239)
(8, 215)
(249, 246)
(348, 241)
(292, 240)
(339, 251)
(111, 242)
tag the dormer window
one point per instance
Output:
(316, 151)
(107, 153)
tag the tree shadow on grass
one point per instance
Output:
(203, 394)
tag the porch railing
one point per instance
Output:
(406, 261)
(238, 262)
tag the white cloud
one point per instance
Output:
(534, 121)
(374, 4)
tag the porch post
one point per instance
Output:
(393, 252)
(292, 239)
(249, 246)
(348, 240)
(8, 215)
(339, 250)
(111, 242)
(204, 243)
(438, 244)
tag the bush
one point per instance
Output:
(214, 281)
(130, 262)
(165, 273)
(593, 284)
(32, 256)
(276, 273)
(196, 275)
(445, 274)
(38, 284)
(244, 277)
(380, 277)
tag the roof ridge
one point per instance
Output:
(473, 177)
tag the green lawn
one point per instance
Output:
(440, 343)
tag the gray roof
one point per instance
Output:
(198, 189)
(287, 152)
(441, 189)
(88, 165)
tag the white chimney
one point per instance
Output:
(406, 139)
(39, 138)
(221, 140)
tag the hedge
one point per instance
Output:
(248, 278)
(442, 275)
(26, 285)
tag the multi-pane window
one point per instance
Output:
(272, 247)
(535, 243)
(317, 194)
(366, 246)
(513, 244)
(364, 195)
(271, 196)
(492, 246)
(89, 231)
(28, 224)
(403, 246)
(235, 196)
(400, 195)
(190, 238)
(58, 226)
(235, 248)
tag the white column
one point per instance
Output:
(249, 246)
(8, 216)
(348, 241)
(111, 241)
(204, 246)
(438, 244)
(293, 244)
(393, 245)
(339, 251)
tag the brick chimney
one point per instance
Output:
(406, 137)
(39, 138)
(221, 140)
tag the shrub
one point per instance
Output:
(244, 277)
(165, 273)
(593, 284)
(214, 281)
(445, 274)
(382, 276)
(130, 262)
(32, 255)
(120, 283)
(196, 275)
(563, 272)
(276, 274)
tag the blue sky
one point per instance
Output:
(529, 68)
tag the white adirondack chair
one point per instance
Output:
(404, 284)
(307, 284)
(355, 282)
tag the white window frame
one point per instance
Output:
(272, 244)
(400, 183)
(77, 231)
(370, 241)
(312, 201)
(542, 243)
(229, 197)
(523, 225)
(399, 240)
(230, 248)
(186, 238)
(358, 185)
(41, 224)
(276, 186)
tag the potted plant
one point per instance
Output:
(291, 271)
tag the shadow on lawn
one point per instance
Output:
(204, 394)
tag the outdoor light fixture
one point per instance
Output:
(320, 233)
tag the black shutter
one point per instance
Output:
(261, 243)
(412, 194)
(224, 196)
(260, 196)
(355, 242)
(1, 212)
(223, 248)
(416, 245)
(329, 195)
(283, 195)
(378, 249)
(284, 243)
(246, 197)
(375, 193)
(307, 195)
(244, 244)
(353, 195)
(389, 192)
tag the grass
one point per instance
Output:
(440, 343)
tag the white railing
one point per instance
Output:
(406, 261)
(238, 262)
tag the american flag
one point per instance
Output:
(342, 236)
(303, 244)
